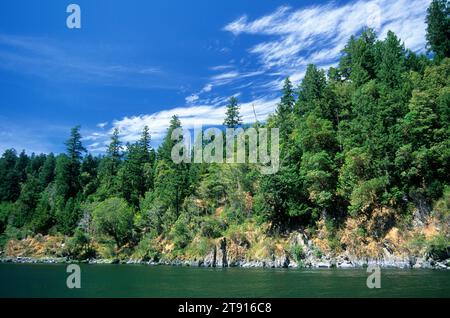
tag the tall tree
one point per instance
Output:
(233, 118)
(9, 177)
(75, 152)
(438, 28)
(284, 110)
(114, 152)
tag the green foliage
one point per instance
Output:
(232, 117)
(6, 209)
(317, 252)
(9, 177)
(297, 252)
(199, 248)
(147, 249)
(439, 247)
(367, 195)
(79, 246)
(114, 218)
(212, 227)
(438, 28)
(180, 233)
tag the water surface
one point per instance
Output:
(43, 280)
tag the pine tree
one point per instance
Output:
(9, 176)
(47, 171)
(358, 61)
(75, 152)
(114, 152)
(438, 28)
(283, 113)
(232, 117)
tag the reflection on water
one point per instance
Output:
(35, 280)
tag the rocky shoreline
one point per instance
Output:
(413, 263)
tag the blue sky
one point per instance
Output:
(136, 63)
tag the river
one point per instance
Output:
(44, 280)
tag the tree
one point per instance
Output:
(109, 168)
(27, 202)
(283, 113)
(358, 61)
(392, 62)
(47, 171)
(68, 215)
(137, 172)
(68, 167)
(114, 153)
(438, 28)
(9, 177)
(232, 117)
(114, 217)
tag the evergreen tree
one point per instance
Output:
(47, 171)
(283, 113)
(9, 177)
(232, 117)
(438, 28)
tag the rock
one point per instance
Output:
(322, 265)
(345, 265)
(440, 265)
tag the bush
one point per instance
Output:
(79, 246)
(180, 233)
(442, 206)
(147, 249)
(6, 209)
(113, 217)
(199, 247)
(317, 252)
(439, 247)
(212, 227)
(297, 252)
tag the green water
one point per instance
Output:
(29, 280)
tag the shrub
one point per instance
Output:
(317, 252)
(113, 217)
(439, 247)
(79, 246)
(212, 227)
(6, 209)
(180, 233)
(147, 249)
(199, 247)
(297, 252)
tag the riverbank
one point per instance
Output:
(250, 247)
(413, 263)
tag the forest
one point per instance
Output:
(364, 148)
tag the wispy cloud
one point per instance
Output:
(130, 128)
(102, 125)
(42, 57)
(317, 34)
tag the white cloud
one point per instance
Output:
(130, 128)
(207, 88)
(191, 98)
(102, 125)
(226, 76)
(317, 34)
(221, 67)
